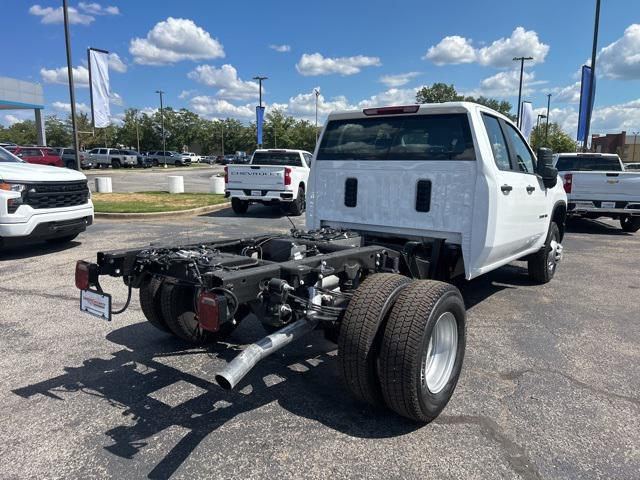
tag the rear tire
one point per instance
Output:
(155, 163)
(239, 206)
(150, 303)
(360, 334)
(71, 164)
(115, 164)
(177, 163)
(630, 224)
(298, 206)
(423, 349)
(178, 311)
(542, 264)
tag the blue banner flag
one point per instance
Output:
(259, 119)
(585, 108)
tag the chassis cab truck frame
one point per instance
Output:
(401, 200)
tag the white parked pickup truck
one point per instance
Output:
(39, 202)
(401, 201)
(116, 158)
(272, 177)
(598, 186)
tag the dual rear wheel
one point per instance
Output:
(402, 344)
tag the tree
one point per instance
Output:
(441, 92)
(558, 140)
(58, 132)
(22, 133)
(438, 93)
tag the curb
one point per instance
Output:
(174, 213)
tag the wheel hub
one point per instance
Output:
(555, 254)
(441, 353)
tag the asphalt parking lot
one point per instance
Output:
(550, 386)
(196, 178)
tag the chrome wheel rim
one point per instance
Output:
(441, 353)
(554, 255)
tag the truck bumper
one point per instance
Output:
(49, 225)
(266, 196)
(594, 208)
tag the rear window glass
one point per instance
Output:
(416, 137)
(588, 164)
(277, 158)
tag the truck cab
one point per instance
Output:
(459, 172)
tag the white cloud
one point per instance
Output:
(11, 120)
(568, 94)
(186, 94)
(212, 107)
(66, 107)
(398, 80)
(313, 64)
(393, 96)
(452, 50)
(456, 49)
(505, 84)
(50, 15)
(174, 40)
(97, 9)
(621, 59)
(116, 64)
(303, 105)
(226, 79)
(60, 76)
(116, 99)
(280, 48)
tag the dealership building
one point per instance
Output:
(20, 95)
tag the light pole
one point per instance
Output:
(593, 75)
(546, 130)
(540, 115)
(222, 128)
(635, 140)
(164, 144)
(260, 80)
(521, 60)
(137, 129)
(72, 94)
(317, 92)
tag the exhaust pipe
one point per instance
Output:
(236, 370)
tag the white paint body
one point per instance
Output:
(25, 219)
(266, 183)
(468, 207)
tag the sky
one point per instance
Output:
(203, 54)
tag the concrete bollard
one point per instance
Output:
(216, 185)
(103, 185)
(176, 184)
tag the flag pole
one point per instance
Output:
(72, 95)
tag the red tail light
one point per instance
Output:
(568, 182)
(287, 176)
(212, 311)
(82, 275)
(226, 174)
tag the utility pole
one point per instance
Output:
(137, 130)
(521, 60)
(635, 140)
(275, 135)
(164, 144)
(72, 94)
(317, 92)
(222, 126)
(260, 80)
(546, 130)
(593, 75)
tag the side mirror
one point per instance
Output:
(545, 168)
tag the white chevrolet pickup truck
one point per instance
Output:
(598, 186)
(272, 177)
(39, 202)
(402, 200)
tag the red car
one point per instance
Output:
(39, 155)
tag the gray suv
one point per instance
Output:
(168, 157)
(68, 156)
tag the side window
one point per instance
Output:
(94, 151)
(103, 151)
(307, 158)
(524, 158)
(498, 142)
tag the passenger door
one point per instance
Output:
(517, 208)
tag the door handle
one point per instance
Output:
(530, 189)
(506, 188)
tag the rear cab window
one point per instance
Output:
(272, 158)
(407, 137)
(588, 163)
